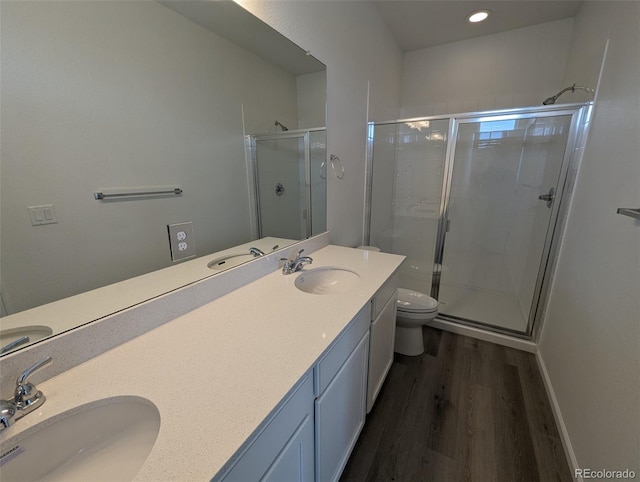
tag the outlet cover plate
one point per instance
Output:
(181, 241)
(45, 214)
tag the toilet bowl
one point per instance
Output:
(414, 309)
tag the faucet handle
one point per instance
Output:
(299, 253)
(10, 346)
(24, 394)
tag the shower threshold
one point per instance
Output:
(483, 307)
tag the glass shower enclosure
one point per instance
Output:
(473, 201)
(290, 183)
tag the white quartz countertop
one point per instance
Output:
(217, 372)
(74, 311)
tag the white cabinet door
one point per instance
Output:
(383, 333)
(283, 451)
(295, 462)
(340, 413)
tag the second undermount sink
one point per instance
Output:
(229, 261)
(34, 332)
(327, 280)
(106, 440)
(12, 339)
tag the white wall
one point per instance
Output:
(121, 94)
(590, 343)
(312, 100)
(517, 68)
(354, 43)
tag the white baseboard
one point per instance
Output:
(497, 338)
(557, 414)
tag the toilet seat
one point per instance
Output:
(410, 301)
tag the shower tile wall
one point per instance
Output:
(486, 212)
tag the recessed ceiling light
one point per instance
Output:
(478, 16)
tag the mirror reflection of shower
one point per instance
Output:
(294, 161)
(552, 100)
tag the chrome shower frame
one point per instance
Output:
(250, 146)
(577, 135)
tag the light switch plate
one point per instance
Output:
(181, 241)
(44, 214)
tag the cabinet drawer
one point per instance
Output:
(269, 453)
(333, 360)
(383, 294)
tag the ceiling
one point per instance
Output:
(418, 24)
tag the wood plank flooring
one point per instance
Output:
(465, 410)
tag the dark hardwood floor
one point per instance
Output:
(465, 410)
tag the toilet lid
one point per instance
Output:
(414, 301)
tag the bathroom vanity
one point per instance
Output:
(266, 382)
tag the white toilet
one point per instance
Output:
(414, 309)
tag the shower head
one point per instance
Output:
(283, 127)
(552, 99)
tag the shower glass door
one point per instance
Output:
(318, 179)
(499, 217)
(280, 178)
(291, 183)
(406, 194)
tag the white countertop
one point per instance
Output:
(76, 310)
(239, 355)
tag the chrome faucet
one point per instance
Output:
(295, 264)
(26, 397)
(256, 252)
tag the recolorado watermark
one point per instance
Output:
(604, 474)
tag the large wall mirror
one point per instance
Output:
(165, 106)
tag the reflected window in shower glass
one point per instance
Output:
(493, 130)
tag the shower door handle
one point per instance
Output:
(548, 197)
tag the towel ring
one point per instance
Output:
(332, 159)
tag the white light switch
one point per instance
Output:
(44, 214)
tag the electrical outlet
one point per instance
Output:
(181, 241)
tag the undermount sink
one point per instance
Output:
(229, 261)
(34, 332)
(327, 280)
(105, 440)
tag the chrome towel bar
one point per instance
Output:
(634, 213)
(138, 192)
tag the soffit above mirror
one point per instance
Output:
(242, 28)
